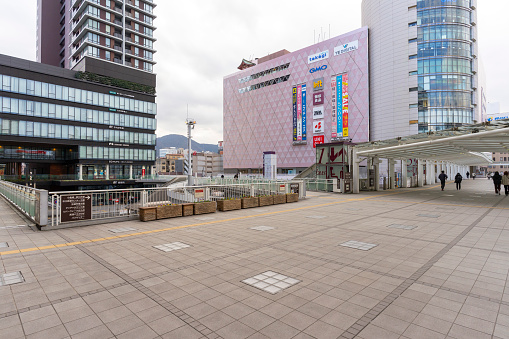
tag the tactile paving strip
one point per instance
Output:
(271, 282)
(364, 246)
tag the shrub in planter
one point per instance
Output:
(279, 199)
(147, 213)
(205, 207)
(266, 200)
(229, 205)
(249, 202)
(292, 197)
(187, 209)
(169, 211)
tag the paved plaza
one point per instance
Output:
(408, 263)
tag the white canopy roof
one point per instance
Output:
(462, 146)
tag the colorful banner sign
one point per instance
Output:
(339, 87)
(333, 103)
(294, 112)
(345, 105)
(304, 107)
(299, 113)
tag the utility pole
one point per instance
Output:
(190, 125)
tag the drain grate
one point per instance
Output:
(11, 278)
(402, 227)
(271, 282)
(364, 246)
(120, 230)
(4, 245)
(262, 228)
(172, 246)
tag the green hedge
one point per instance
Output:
(92, 77)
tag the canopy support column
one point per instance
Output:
(355, 171)
(420, 173)
(376, 165)
(404, 173)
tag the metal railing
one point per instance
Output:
(30, 201)
(125, 203)
(319, 185)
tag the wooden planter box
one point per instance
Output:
(205, 207)
(280, 199)
(250, 202)
(229, 205)
(169, 211)
(292, 197)
(266, 200)
(187, 209)
(148, 213)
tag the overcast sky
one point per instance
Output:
(200, 41)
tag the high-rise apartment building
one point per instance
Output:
(424, 66)
(117, 31)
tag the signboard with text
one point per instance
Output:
(299, 111)
(75, 207)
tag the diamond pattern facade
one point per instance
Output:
(262, 119)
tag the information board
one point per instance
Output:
(76, 207)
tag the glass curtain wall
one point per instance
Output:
(444, 64)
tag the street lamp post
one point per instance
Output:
(190, 125)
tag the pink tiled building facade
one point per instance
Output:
(286, 102)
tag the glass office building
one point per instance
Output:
(445, 57)
(58, 126)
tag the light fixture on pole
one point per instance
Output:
(190, 125)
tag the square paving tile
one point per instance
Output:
(172, 246)
(125, 229)
(4, 245)
(402, 227)
(429, 215)
(262, 228)
(364, 246)
(205, 218)
(271, 282)
(11, 278)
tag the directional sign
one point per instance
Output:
(76, 207)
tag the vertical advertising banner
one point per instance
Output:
(339, 105)
(304, 120)
(299, 113)
(345, 105)
(334, 99)
(294, 111)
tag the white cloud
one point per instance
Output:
(201, 41)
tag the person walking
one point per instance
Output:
(457, 179)
(505, 182)
(473, 176)
(442, 177)
(497, 181)
(468, 174)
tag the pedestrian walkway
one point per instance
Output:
(406, 263)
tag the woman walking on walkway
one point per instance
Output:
(505, 182)
(497, 181)
(457, 179)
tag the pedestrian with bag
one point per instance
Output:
(505, 182)
(442, 177)
(457, 179)
(468, 174)
(497, 181)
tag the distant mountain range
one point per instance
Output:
(180, 141)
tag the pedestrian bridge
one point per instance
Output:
(452, 151)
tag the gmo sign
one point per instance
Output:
(318, 69)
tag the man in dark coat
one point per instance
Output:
(497, 181)
(442, 177)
